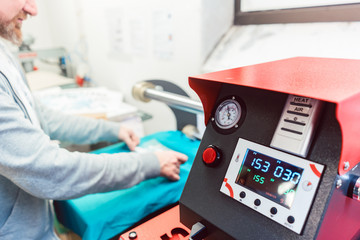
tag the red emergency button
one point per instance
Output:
(211, 156)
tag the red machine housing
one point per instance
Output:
(335, 81)
(331, 80)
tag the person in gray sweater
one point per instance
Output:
(34, 169)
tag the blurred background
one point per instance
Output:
(114, 44)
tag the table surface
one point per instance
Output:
(104, 215)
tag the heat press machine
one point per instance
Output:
(280, 155)
(279, 158)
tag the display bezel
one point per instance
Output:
(306, 191)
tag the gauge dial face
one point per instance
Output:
(228, 114)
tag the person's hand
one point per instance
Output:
(170, 163)
(129, 137)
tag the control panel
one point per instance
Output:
(276, 184)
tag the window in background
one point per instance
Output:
(261, 5)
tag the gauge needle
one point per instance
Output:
(228, 114)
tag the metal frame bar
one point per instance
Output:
(175, 100)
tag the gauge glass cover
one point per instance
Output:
(228, 114)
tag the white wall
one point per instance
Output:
(55, 25)
(126, 41)
(252, 44)
(141, 52)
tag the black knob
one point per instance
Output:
(291, 219)
(242, 194)
(273, 210)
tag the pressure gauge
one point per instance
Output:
(228, 114)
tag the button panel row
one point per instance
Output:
(273, 210)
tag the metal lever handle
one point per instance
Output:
(356, 190)
(198, 231)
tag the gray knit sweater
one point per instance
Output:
(33, 169)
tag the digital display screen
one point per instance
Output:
(270, 177)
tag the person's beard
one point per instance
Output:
(11, 30)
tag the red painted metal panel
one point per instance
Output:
(166, 226)
(341, 220)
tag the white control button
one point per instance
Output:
(301, 100)
(298, 109)
(294, 127)
(307, 185)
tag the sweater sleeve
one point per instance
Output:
(40, 167)
(75, 129)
